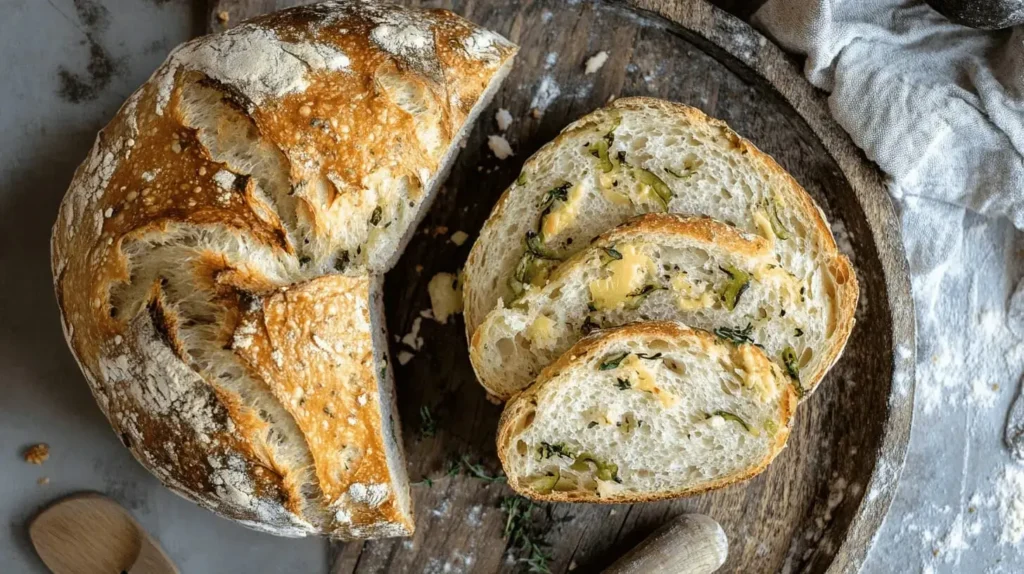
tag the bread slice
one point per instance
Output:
(643, 412)
(664, 267)
(641, 155)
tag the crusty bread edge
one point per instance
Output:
(582, 352)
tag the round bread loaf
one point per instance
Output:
(217, 257)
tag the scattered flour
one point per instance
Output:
(546, 94)
(983, 393)
(550, 60)
(445, 296)
(1010, 493)
(595, 62)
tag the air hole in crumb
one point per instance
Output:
(506, 347)
(521, 448)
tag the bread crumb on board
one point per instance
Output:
(503, 118)
(499, 145)
(404, 357)
(37, 453)
(445, 296)
(595, 62)
(223, 17)
(459, 237)
(43, 480)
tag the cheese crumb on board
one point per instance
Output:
(37, 453)
(595, 62)
(404, 357)
(503, 118)
(445, 296)
(499, 145)
(459, 238)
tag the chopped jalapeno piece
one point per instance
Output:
(599, 149)
(546, 484)
(739, 280)
(792, 366)
(660, 187)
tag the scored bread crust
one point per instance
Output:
(200, 255)
(517, 411)
(481, 272)
(700, 230)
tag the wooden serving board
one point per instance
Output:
(820, 503)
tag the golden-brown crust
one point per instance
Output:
(339, 92)
(584, 351)
(313, 348)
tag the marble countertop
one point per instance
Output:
(69, 64)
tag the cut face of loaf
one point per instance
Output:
(218, 257)
(642, 155)
(647, 411)
(664, 267)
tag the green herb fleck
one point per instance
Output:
(558, 193)
(521, 180)
(736, 335)
(429, 482)
(612, 362)
(592, 424)
(479, 472)
(729, 417)
(613, 253)
(548, 450)
(378, 213)
(428, 426)
(623, 384)
(649, 357)
(525, 537)
(636, 298)
(798, 332)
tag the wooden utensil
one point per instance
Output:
(91, 534)
(690, 544)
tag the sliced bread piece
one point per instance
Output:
(665, 267)
(641, 155)
(643, 412)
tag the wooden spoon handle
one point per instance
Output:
(690, 544)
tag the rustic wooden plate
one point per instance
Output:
(818, 506)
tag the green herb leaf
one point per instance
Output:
(736, 335)
(429, 482)
(548, 450)
(729, 417)
(613, 253)
(738, 282)
(525, 537)
(612, 362)
(427, 424)
(558, 193)
(479, 472)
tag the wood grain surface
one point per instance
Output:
(818, 506)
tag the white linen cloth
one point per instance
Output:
(940, 108)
